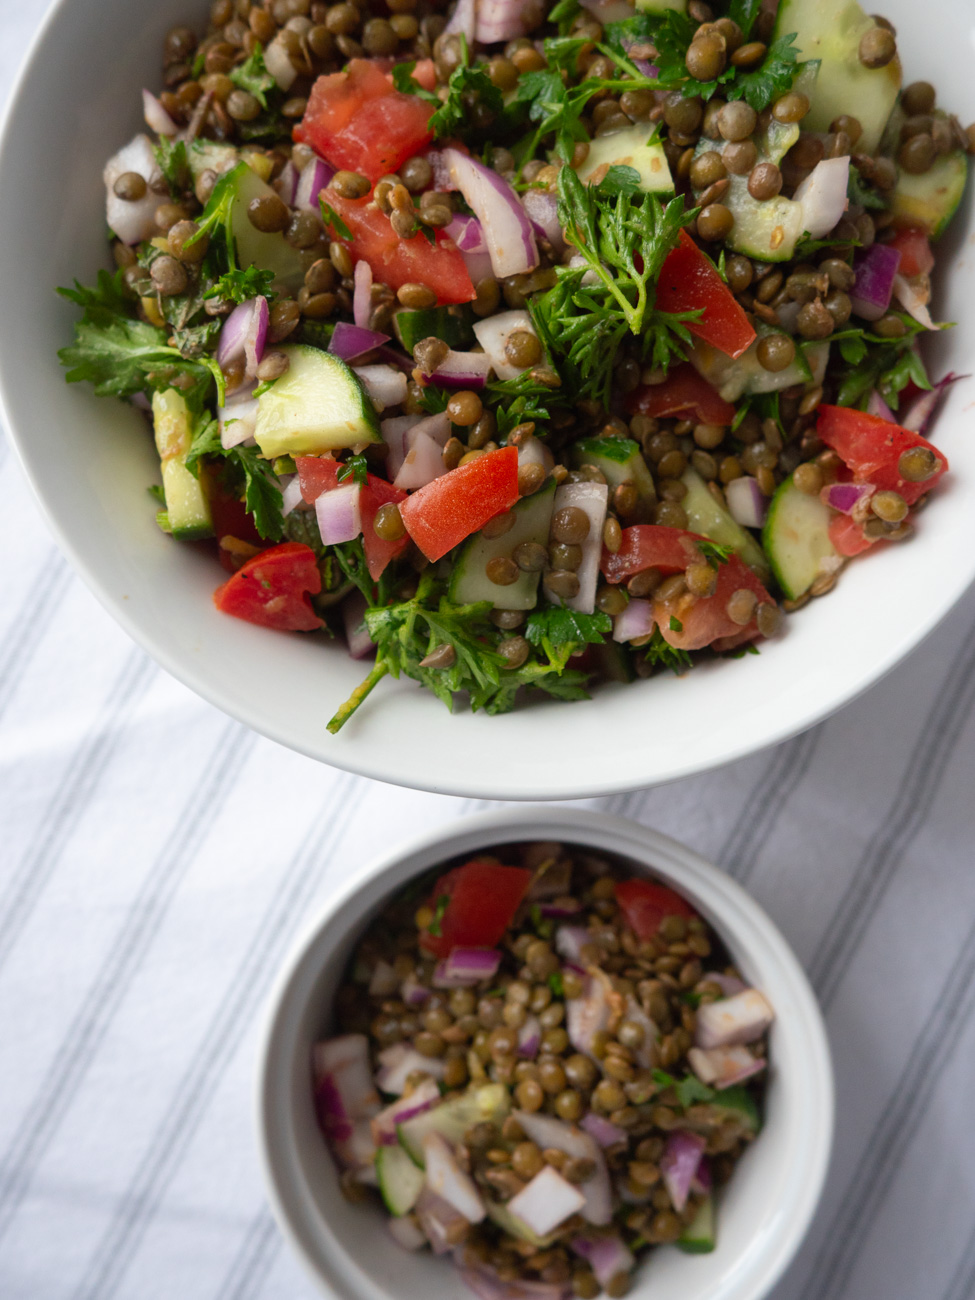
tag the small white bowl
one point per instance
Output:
(90, 461)
(769, 1203)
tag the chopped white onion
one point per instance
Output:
(721, 1067)
(533, 451)
(238, 421)
(362, 294)
(291, 492)
(545, 1202)
(338, 513)
(422, 464)
(593, 498)
(398, 1062)
(446, 1179)
(546, 1131)
(463, 21)
(635, 621)
(278, 63)
(823, 196)
(385, 385)
(506, 20)
(394, 431)
(747, 503)
(507, 229)
(739, 1019)
(132, 220)
(494, 332)
(914, 296)
(405, 1233)
(157, 119)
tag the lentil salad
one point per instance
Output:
(530, 349)
(570, 1069)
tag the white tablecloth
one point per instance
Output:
(156, 860)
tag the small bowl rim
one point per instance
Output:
(723, 898)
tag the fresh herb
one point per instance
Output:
(157, 493)
(472, 96)
(241, 285)
(355, 468)
(525, 398)
(553, 627)
(689, 1090)
(216, 219)
(262, 495)
(744, 13)
(435, 927)
(859, 193)
(543, 926)
(661, 654)
(331, 218)
(675, 624)
(714, 554)
(556, 985)
(888, 365)
(433, 399)
(174, 164)
(773, 78)
(252, 75)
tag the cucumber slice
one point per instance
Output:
(318, 405)
(271, 252)
(661, 6)
(735, 379)
(796, 539)
(451, 325)
(698, 1238)
(469, 581)
(620, 460)
(628, 148)
(707, 516)
(453, 1118)
(400, 1181)
(210, 155)
(187, 507)
(831, 31)
(932, 199)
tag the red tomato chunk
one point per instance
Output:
(443, 513)
(683, 395)
(318, 474)
(645, 904)
(872, 448)
(474, 905)
(273, 588)
(689, 281)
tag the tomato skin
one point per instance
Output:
(645, 904)
(915, 249)
(650, 546)
(318, 474)
(444, 512)
(871, 447)
(229, 514)
(272, 589)
(683, 394)
(396, 261)
(483, 900)
(356, 120)
(848, 536)
(689, 282)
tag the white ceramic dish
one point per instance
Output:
(90, 462)
(769, 1203)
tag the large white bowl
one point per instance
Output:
(766, 1210)
(90, 462)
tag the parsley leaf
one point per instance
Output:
(407, 84)
(355, 468)
(440, 909)
(558, 626)
(556, 985)
(860, 193)
(262, 495)
(661, 654)
(174, 164)
(714, 553)
(242, 285)
(888, 365)
(331, 218)
(744, 13)
(675, 624)
(472, 99)
(772, 78)
(252, 75)
(689, 1089)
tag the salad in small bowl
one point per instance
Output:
(525, 348)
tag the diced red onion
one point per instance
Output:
(921, 412)
(635, 621)
(479, 266)
(344, 1087)
(463, 21)
(739, 1019)
(462, 370)
(394, 431)
(589, 1015)
(506, 20)
(287, 183)
(413, 993)
(606, 1256)
(441, 1223)
(845, 497)
(593, 498)
(823, 196)
(398, 1062)
(405, 1233)
(914, 296)
(357, 1151)
(703, 1180)
(645, 1053)
(238, 420)
(422, 463)
(423, 1096)
(362, 294)
(543, 211)
(465, 967)
(391, 356)
(728, 984)
(721, 1067)
(493, 333)
(747, 503)
(606, 1133)
(637, 52)
(338, 514)
(278, 63)
(361, 645)
(560, 909)
(131, 221)
(443, 182)
(446, 1179)
(315, 176)
(351, 341)
(467, 234)
(384, 385)
(507, 229)
(157, 119)
(530, 1037)
(679, 1164)
(876, 270)
(877, 406)
(546, 1201)
(244, 335)
(546, 1131)
(570, 940)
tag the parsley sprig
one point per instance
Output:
(472, 97)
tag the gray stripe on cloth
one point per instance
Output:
(93, 1018)
(30, 624)
(884, 854)
(898, 1121)
(197, 1088)
(962, 1284)
(72, 794)
(260, 1247)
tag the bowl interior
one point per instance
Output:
(91, 460)
(766, 1208)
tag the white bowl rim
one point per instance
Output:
(668, 858)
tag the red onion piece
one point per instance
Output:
(599, 1127)
(463, 21)
(606, 1256)
(876, 270)
(422, 463)
(442, 1224)
(506, 20)
(494, 332)
(546, 1131)
(569, 941)
(462, 370)
(362, 294)
(423, 1096)
(360, 646)
(747, 504)
(635, 621)
(721, 1067)
(922, 410)
(914, 296)
(823, 196)
(290, 492)
(443, 181)
(728, 984)
(703, 1179)
(413, 993)
(558, 911)
(546, 1201)
(244, 336)
(877, 406)
(393, 357)
(543, 211)
(467, 234)
(343, 1084)
(530, 1037)
(466, 967)
(845, 497)
(398, 1062)
(446, 1179)
(386, 386)
(593, 498)
(338, 514)
(287, 183)
(679, 1164)
(405, 1233)
(351, 341)
(507, 230)
(157, 119)
(134, 221)
(238, 419)
(314, 177)
(739, 1019)
(394, 431)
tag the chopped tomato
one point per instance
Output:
(273, 588)
(645, 904)
(444, 512)
(396, 261)
(690, 623)
(689, 281)
(848, 536)
(318, 474)
(650, 546)
(228, 512)
(425, 74)
(915, 249)
(358, 121)
(683, 395)
(474, 905)
(872, 447)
